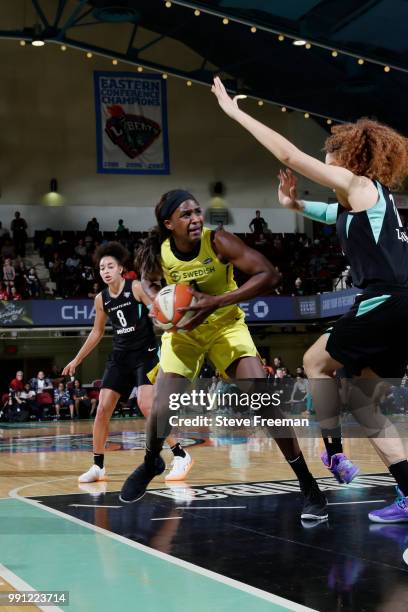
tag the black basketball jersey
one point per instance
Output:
(132, 327)
(375, 242)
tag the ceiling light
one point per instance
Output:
(306, 115)
(197, 13)
(189, 83)
(283, 109)
(260, 102)
(22, 43)
(361, 61)
(329, 122)
(225, 21)
(299, 43)
(253, 29)
(168, 4)
(63, 48)
(164, 76)
(335, 53)
(281, 38)
(115, 62)
(387, 68)
(38, 40)
(140, 68)
(308, 46)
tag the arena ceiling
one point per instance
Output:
(354, 62)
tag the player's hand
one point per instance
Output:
(205, 305)
(70, 368)
(287, 191)
(229, 105)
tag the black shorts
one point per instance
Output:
(128, 369)
(372, 335)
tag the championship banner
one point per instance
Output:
(131, 123)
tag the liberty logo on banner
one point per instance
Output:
(131, 123)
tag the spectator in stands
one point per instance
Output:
(258, 223)
(260, 240)
(33, 283)
(40, 383)
(28, 395)
(9, 273)
(80, 248)
(121, 230)
(17, 384)
(19, 228)
(298, 288)
(15, 296)
(300, 390)
(80, 397)
(92, 228)
(269, 371)
(73, 262)
(62, 399)
(277, 363)
(56, 268)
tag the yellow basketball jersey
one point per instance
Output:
(205, 272)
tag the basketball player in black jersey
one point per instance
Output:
(134, 355)
(364, 160)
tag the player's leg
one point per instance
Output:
(386, 441)
(107, 404)
(182, 461)
(157, 430)
(315, 504)
(320, 367)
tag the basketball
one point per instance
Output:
(165, 306)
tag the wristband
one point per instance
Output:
(319, 211)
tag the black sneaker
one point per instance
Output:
(135, 485)
(314, 506)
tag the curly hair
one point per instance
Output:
(371, 149)
(115, 250)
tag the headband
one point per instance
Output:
(177, 197)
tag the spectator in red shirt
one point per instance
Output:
(17, 384)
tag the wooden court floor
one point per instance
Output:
(44, 472)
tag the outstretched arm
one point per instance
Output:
(287, 153)
(288, 197)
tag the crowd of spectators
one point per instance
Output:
(307, 266)
(47, 397)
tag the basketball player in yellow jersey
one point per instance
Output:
(181, 250)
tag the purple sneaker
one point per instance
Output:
(342, 468)
(395, 513)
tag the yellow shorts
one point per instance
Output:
(221, 343)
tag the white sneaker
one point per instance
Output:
(180, 467)
(94, 474)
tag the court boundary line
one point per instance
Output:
(231, 582)
(21, 585)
